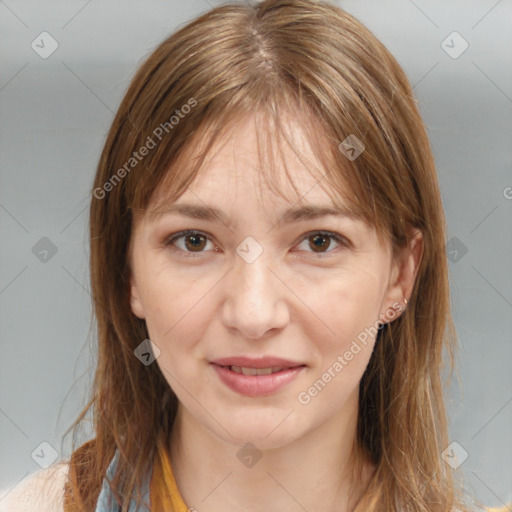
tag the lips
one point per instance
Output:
(256, 377)
(262, 362)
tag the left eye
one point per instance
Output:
(194, 242)
(320, 240)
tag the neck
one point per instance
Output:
(320, 472)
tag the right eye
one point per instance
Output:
(189, 242)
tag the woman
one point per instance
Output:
(266, 211)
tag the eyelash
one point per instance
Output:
(169, 241)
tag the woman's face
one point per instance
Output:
(294, 294)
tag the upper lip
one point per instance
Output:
(262, 362)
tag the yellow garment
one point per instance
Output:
(164, 493)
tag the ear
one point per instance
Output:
(405, 267)
(135, 302)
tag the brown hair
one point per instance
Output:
(315, 63)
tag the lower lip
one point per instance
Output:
(256, 385)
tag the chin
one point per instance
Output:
(266, 433)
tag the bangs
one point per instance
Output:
(277, 124)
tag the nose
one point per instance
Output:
(255, 298)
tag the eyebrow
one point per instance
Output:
(210, 213)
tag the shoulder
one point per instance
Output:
(42, 491)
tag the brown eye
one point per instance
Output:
(195, 242)
(319, 242)
(189, 243)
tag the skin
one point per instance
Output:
(291, 303)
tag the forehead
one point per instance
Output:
(250, 160)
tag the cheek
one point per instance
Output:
(345, 307)
(344, 336)
(177, 311)
(343, 342)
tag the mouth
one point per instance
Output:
(272, 363)
(254, 377)
(245, 370)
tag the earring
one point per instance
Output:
(405, 301)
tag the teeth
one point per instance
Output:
(255, 371)
(249, 371)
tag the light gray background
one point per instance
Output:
(55, 113)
